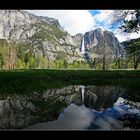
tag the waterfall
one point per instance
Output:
(83, 46)
(83, 92)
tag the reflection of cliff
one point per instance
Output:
(102, 97)
(20, 111)
(15, 112)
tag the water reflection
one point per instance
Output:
(73, 117)
(72, 107)
(81, 117)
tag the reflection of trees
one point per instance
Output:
(20, 111)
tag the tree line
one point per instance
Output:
(22, 56)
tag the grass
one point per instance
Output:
(28, 81)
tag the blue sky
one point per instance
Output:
(94, 12)
(102, 23)
(81, 21)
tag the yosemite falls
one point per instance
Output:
(83, 46)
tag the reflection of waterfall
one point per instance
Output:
(83, 92)
(83, 46)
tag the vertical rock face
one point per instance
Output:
(17, 21)
(96, 40)
(14, 22)
(93, 38)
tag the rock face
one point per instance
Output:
(78, 39)
(99, 42)
(18, 23)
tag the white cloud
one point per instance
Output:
(103, 19)
(103, 16)
(73, 21)
(126, 36)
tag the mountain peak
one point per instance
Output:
(99, 29)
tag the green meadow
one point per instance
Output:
(33, 80)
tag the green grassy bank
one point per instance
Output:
(25, 81)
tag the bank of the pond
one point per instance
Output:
(33, 79)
